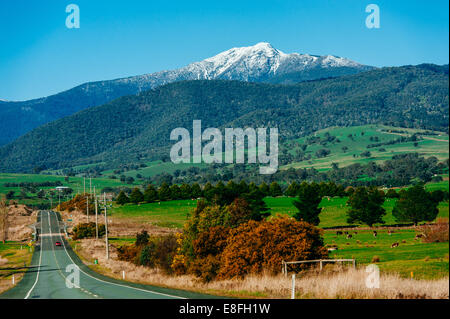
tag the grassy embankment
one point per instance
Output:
(14, 257)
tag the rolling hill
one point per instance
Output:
(258, 63)
(137, 127)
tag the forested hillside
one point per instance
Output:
(137, 127)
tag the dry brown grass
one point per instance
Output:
(331, 283)
(117, 227)
(19, 218)
(13, 265)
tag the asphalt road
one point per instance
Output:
(55, 270)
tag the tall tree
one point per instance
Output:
(416, 205)
(275, 189)
(150, 194)
(366, 206)
(136, 196)
(164, 192)
(307, 203)
(257, 205)
(122, 198)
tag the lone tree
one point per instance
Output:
(366, 206)
(416, 205)
(122, 198)
(307, 204)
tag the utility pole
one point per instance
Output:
(106, 227)
(87, 208)
(96, 217)
(84, 185)
(90, 185)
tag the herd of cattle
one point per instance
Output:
(375, 234)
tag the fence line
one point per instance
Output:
(285, 264)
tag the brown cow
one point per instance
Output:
(394, 245)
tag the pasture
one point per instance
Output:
(425, 260)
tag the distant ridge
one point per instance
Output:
(258, 63)
(136, 127)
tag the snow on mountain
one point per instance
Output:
(258, 63)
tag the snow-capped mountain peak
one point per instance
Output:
(258, 63)
(261, 60)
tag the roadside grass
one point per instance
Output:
(341, 283)
(425, 260)
(13, 257)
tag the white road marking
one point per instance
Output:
(56, 259)
(111, 283)
(39, 269)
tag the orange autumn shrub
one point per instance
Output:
(257, 246)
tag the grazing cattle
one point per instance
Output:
(394, 245)
(355, 233)
(375, 233)
(349, 236)
(346, 232)
(390, 232)
(338, 233)
(419, 236)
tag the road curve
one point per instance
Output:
(54, 272)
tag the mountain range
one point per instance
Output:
(258, 63)
(137, 127)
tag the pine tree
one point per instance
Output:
(196, 191)
(307, 204)
(122, 198)
(150, 194)
(416, 205)
(366, 206)
(164, 192)
(275, 189)
(136, 196)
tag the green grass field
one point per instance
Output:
(431, 145)
(76, 183)
(425, 260)
(435, 145)
(167, 214)
(174, 213)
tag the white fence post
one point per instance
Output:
(123, 274)
(293, 287)
(13, 280)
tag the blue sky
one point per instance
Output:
(39, 56)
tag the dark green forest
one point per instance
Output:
(137, 127)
